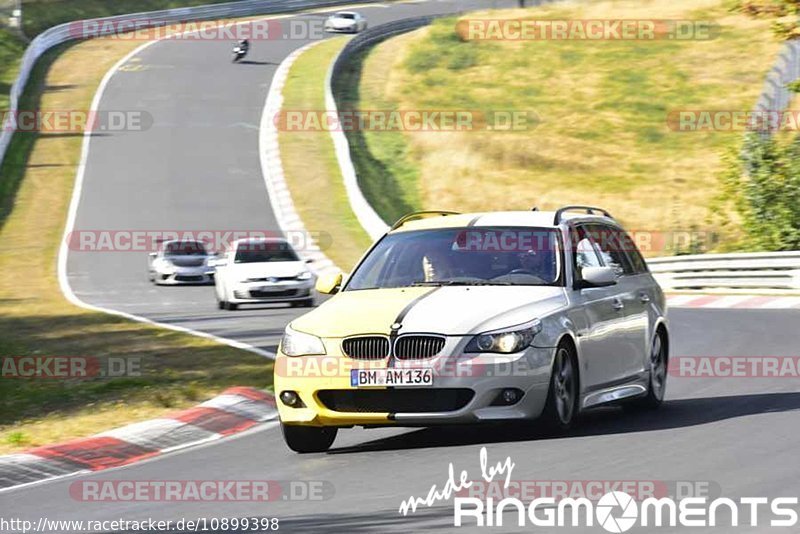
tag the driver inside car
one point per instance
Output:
(437, 266)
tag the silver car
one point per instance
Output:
(464, 318)
(180, 262)
(345, 22)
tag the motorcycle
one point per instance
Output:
(238, 54)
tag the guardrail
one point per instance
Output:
(367, 217)
(109, 26)
(772, 271)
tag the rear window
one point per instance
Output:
(345, 16)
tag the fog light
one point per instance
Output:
(290, 398)
(511, 396)
(507, 397)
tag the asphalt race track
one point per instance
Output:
(738, 435)
(198, 168)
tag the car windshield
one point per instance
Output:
(461, 256)
(265, 251)
(350, 16)
(185, 248)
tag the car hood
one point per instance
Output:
(445, 310)
(242, 271)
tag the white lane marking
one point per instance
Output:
(278, 192)
(63, 279)
(782, 303)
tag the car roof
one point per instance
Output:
(345, 13)
(538, 219)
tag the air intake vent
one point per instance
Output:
(366, 348)
(418, 347)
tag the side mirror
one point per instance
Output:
(153, 255)
(309, 260)
(598, 276)
(330, 283)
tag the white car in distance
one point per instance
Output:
(179, 262)
(264, 270)
(345, 22)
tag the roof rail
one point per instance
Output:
(421, 215)
(588, 209)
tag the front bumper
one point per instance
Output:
(284, 291)
(344, 29)
(464, 390)
(184, 276)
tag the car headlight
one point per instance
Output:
(506, 341)
(296, 343)
(163, 264)
(304, 276)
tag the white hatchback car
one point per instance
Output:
(345, 22)
(267, 270)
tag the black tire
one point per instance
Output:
(561, 408)
(307, 439)
(230, 306)
(657, 383)
(220, 304)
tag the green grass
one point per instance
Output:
(11, 48)
(385, 168)
(602, 135)
(310, 164)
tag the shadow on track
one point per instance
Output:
(250, 62)
(427, 519)
(673, 414)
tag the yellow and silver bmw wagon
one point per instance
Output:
(469, 318)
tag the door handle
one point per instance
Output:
(644, 297)
(617, 303)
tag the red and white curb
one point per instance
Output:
(235, 410)
(749, 302)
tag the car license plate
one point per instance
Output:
(360, 378)
(268, 289)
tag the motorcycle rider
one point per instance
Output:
(244, 46)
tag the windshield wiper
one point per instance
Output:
(437, 283)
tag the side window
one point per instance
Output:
(611, 249)
(634, 256)
(584, 254)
